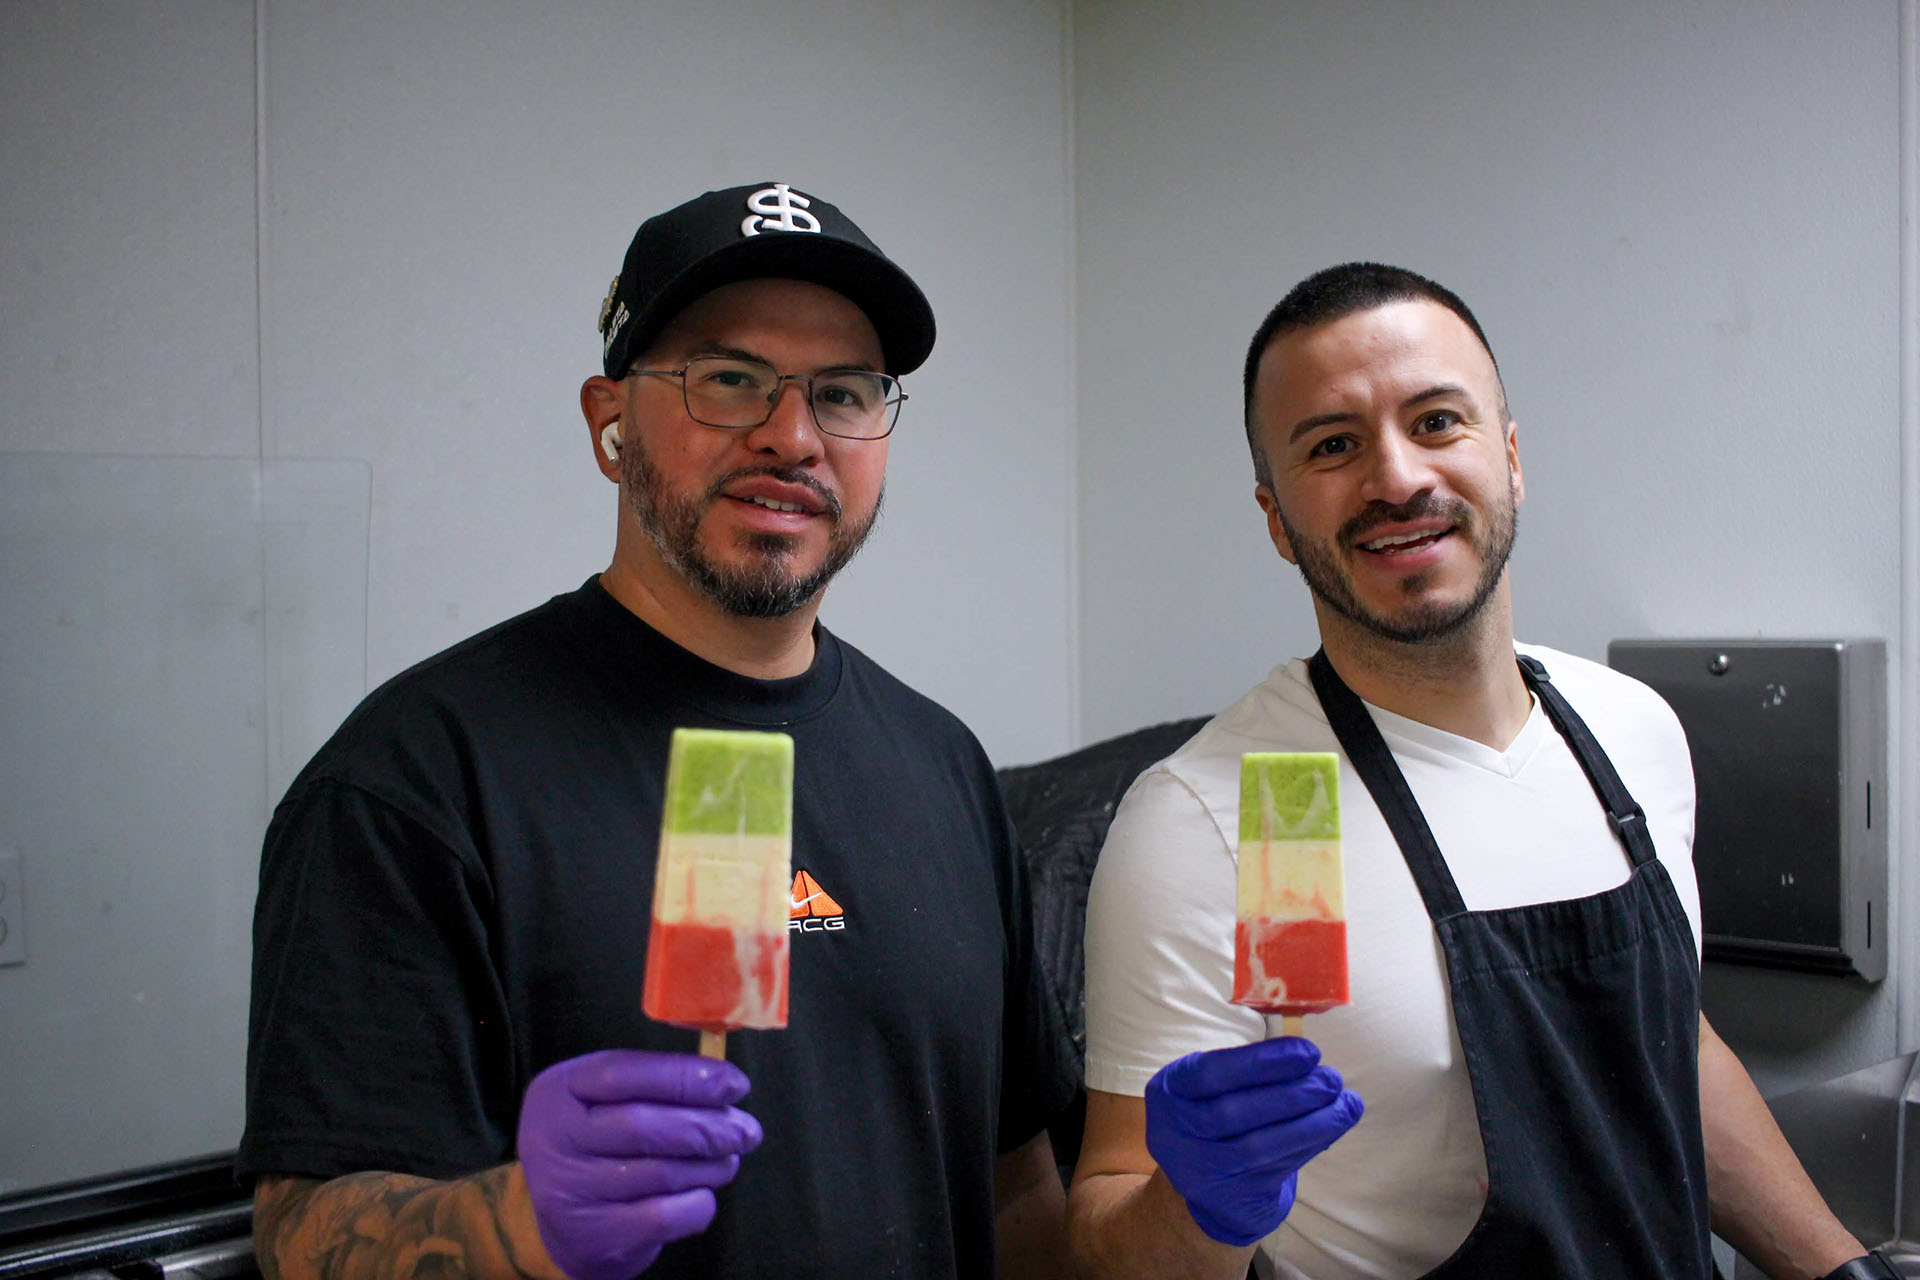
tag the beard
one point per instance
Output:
(1422, 622)
(764, 585)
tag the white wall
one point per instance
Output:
(128, 280)
(451, 187)
(446, 189)
(1680, 226)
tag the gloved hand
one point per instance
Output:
(622, 1150)
(1231, 1128)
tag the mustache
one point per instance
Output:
(785, 475)
(1423, 506)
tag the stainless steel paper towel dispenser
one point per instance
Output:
(1789, 764)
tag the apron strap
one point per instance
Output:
(1624, 814)
(1367, 751)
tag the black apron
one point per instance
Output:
(1580, 1025)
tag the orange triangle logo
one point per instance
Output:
(809, 899)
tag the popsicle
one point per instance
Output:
(1290, 941)
(717, 946)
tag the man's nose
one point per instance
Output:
(790, 431)
(1397, 470)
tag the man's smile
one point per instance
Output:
(1392, 544)
(785, 493)
(1406, 530)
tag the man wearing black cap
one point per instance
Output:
(447, 1058)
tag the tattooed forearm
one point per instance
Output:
(368, 1225)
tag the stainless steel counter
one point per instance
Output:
(1859, 1138)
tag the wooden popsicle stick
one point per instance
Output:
(1291, 1026)
(713, 1044)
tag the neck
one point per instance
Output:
(759, 648)
(1466, 683)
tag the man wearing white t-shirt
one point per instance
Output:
(1542, 1097)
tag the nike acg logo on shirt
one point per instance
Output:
(811, 908)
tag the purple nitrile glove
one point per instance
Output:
(622, 1150)
(1231, 1128)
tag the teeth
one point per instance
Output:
(1398, 540)
(771, 505)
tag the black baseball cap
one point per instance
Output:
(767, 229)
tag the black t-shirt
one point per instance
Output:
(455, 894)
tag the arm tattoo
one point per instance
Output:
(367, 1225)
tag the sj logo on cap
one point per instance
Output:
(778, 208)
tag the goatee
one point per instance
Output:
(1424, 622)
(764, 585)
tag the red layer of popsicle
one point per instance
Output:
(1311, 953)
(697, 976)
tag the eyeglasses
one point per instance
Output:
(721, 391)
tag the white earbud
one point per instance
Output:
(610, 440)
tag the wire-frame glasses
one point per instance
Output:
(723, 391)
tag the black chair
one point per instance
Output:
(1061, 809)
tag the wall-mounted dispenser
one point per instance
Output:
(1789, 764)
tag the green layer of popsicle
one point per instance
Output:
(729, 782)
(1289, 795)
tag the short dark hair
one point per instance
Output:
(1334, 294)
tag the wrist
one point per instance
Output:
(521, 1228)
(1196, 1224)
(1196, 1254)
(1222, 1232)
(1872, 1265)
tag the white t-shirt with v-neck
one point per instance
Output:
(1397, 1194)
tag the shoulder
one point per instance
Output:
(1195, 790)
(481, 686)
(517, 642)
(880, 696)
(1281, 713)
(1638, 731)
(1612, 703)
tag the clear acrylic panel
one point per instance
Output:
(178, 635)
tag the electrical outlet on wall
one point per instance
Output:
(13, 910)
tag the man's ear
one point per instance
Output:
(1263, 494)
(1513, 461)
(600, 405)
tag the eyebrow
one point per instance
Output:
(1438, 391)
(741, 353)
(731, 353)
